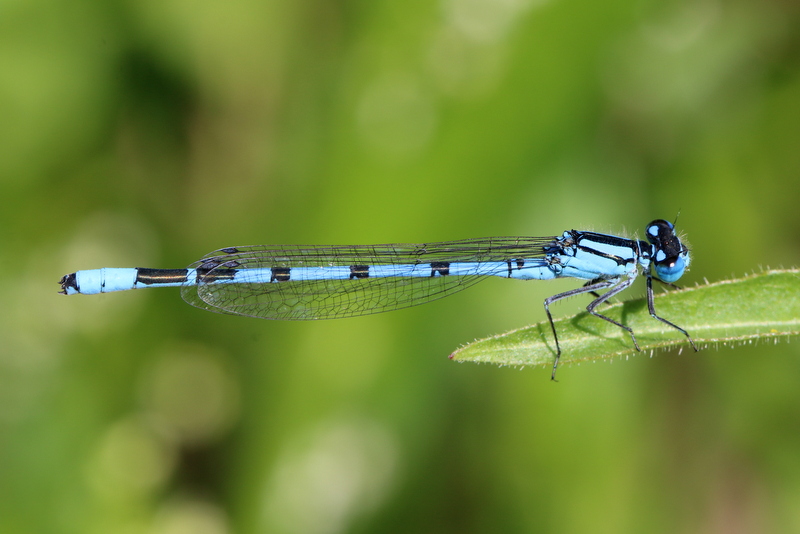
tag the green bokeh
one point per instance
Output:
(149, 133)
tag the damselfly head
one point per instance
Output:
(670, 257)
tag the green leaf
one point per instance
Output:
(764, 305)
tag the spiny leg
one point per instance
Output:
(591, 287)
(651, 306)
(621, 286)
(595, 294)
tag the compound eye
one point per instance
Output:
(659, 230)
(670, 269)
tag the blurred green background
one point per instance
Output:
(148, 133)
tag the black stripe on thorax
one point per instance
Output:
(616, 259)
(607, 240)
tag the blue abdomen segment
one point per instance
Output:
(518, 269)
(110, 279)
(94, 281)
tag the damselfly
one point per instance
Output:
(327, 282)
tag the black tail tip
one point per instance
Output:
(69, 284)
